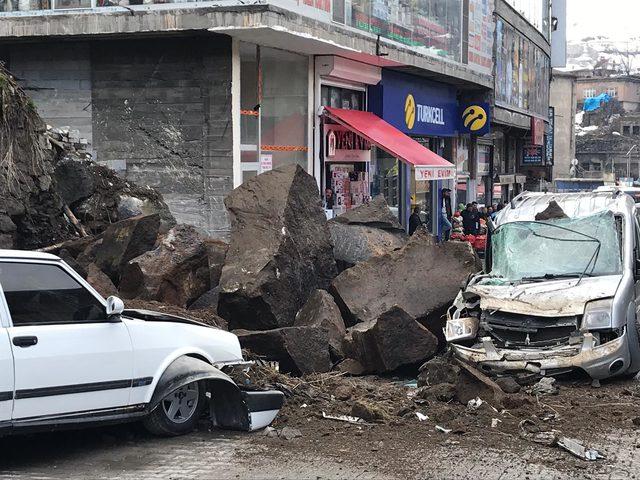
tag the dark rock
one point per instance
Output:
(216, 253)
(175, 272)
(636, 421)
(208, 300)
(357, 243)
(65, 255)
(438, 370)
(7, 241)
(298, 349)
(280, 250)
(374, 214)
(553, 211)
(321, 311)
(368, 412)
(289, 433)
(350, 367)
(99, 280)
(473, 383)
(420, 278)
(90, 252)
(6, 224)
(508, 384)
(442, 392)
(75, 246)
(124, 241)
(74, 180)
(392, 341)
(343, 392)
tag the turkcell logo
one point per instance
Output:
(415, 112)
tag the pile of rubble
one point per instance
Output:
(50, 190)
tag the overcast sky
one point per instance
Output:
(612, 18)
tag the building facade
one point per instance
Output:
(562, 101)
(195, 98)
(516, 146)
(624, 88)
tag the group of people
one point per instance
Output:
(471, 214)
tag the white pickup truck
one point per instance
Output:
(70, 357)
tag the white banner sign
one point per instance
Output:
(266, 162)
(435, 173)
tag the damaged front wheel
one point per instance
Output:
(179, 412)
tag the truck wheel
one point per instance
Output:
(178, 413)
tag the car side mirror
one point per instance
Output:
(115, 306)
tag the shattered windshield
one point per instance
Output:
(557, 248)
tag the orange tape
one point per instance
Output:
(284, 148)
(251, 113)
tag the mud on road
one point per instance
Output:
(396, 446)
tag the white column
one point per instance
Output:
(235, 111)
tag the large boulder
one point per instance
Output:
(421, 278)
(280, 250)
(74, 180)
(299, 350)
(99, 280)
(357, 243)
(392, 341)
(375, 214)
(175, 272)
(321, 311)
(124, 241)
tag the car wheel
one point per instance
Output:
(177, 413)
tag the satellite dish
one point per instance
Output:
(574, 162)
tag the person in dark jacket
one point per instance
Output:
(470, 219)
(414, 220)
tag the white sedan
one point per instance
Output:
(69, 357)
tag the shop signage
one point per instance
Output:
(550, 136)
(521, 179)
(344, 145)
(532, 155)
(474, 119)
(266, 162)
(435, 173)
(537, 131)
(507, 179)
(414, 105)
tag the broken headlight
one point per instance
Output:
(597, 315)
(461, 329)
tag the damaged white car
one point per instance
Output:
(69, 358)
(560, 289)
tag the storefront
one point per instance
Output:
(427, 112)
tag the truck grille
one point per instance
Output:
(517, 330)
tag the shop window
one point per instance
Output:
(612, 92)
(338, 97)
(273, 109)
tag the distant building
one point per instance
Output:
(625, 89)
(563, 102)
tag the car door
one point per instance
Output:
(6, 367)
(68, 357)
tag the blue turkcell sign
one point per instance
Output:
(414, 105)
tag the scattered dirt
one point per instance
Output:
(391, 439)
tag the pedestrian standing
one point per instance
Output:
(414, 220)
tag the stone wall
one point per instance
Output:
(156, 110)
(58, 80)
(162, 113)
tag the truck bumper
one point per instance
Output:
(599, 362)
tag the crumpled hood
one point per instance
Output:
(547, 299)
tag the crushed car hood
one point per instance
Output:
(151, 316)
(546, 299)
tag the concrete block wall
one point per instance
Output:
(162, 115)
(57, 76)
(158, 110)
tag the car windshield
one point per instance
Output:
(558, 248)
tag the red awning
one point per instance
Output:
(428, 165)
